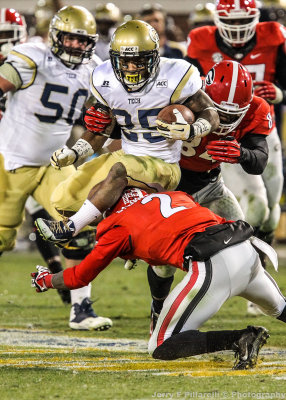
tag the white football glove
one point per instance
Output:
(65, 156)
(179, 130)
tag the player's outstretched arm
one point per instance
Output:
(100, 124)
(43, 280)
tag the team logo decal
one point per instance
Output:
(163, 83)
(153, 35)
(129, 50)
(210, 77)
(217, 57)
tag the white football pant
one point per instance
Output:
(234, 271)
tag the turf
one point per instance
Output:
(30, 371)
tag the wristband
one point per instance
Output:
(200, 128)
(82, 149)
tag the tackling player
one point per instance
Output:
(135, 85)
(219, 260)
(47, 87)
(261, 48)
(240, 139)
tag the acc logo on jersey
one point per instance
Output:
(217, 57)
(163, 83)
(210, 77)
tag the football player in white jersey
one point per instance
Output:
(48, 86)
(13, 31)
(133, 87)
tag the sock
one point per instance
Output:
(85, 215)
(77, 295)
(159, 288)
(192, 343)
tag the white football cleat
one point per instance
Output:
(82, 317)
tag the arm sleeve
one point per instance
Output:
(254, 155)
(112, 244)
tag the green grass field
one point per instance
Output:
(40, 357)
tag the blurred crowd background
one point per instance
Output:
(172, 19)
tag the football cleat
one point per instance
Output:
(82, 317)
(153, 319)
(55, 231)
(248, 346)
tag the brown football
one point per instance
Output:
(167, 114)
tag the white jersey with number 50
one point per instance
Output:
(136, 112)
(40, 114)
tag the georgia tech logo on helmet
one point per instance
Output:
(129, 50)
(210, 77)
(153, 35)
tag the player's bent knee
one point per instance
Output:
(273, 220)
(7, 239)
(164, 271)
(117, 173)
(257, 211)
(80, 245)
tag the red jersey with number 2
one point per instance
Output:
(155, 229)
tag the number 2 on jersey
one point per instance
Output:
(166, 208)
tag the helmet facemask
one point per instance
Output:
(134, 54)
(135, 79)
(13, 31)
(72, 35)
(72, 55)
(230, 116)
(229, 86)
(236, 30)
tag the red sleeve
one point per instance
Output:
(257, 120)
(112, 244)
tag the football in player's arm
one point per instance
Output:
(170, 228)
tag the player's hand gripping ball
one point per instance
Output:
(174, 122)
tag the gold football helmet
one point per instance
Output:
(73, 22)
(107, 12)
(136, 43)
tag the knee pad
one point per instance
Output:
(80, 245)
(164, 271)
(7, 239)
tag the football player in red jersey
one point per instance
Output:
(261, 48)
(245, 123)
(219, 260)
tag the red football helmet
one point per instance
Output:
(236, 20)
(12, 30)
(229, 85)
